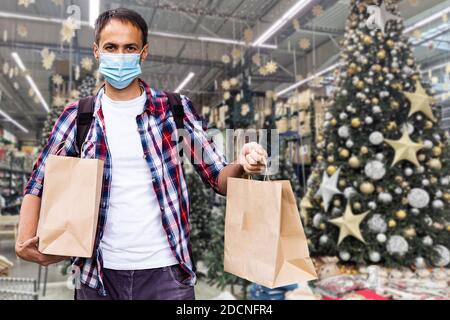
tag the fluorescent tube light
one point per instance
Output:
(185, 82)
(38, 92)
(18, 61)
(14, 122)
(94, 11)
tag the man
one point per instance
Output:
(142, 248)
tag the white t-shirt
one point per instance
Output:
(134, 237)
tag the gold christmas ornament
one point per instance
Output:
(344, 154)
(319, 158)
(342, 183)
(446, 196)
(356, 123)
(428, 125)
(422, 157)
(349, 224)
(357, 206)
(360, 84)
(401, 214)
(398, 179)
(377, 68)
(410, 232)
(392, 223)
(433, 180)
(333, 122)
(322, 226)
(305, 205)
(405, 149)
(395, 105)
(367, 40)
(354, 163)
(392, 125)
(330, 159)
(421, 102)
(435, 164)
(390, 43)
(331, 170)
(437, 151)
(375, 101)
(381, 54)
(364, 150)
(337, 203)
(367, 188)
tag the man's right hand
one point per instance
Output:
(28, 250)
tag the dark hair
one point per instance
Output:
(123, 15)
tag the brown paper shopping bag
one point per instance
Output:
(70, 206)
(264, 238)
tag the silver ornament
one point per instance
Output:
(418, 198)
(375, 170)
(349, 144)
(398, 190)
(323, 239)
(443, 258)
(377, 224)
(349, 192)
(368, 120)
(427, 240)
(374, 256)
(438, 204)
(445, 181)
(344, 132)
(376, 109)
(372, 205)
(409, 172)
(344, 255)
(419, 262)
(428, 144)
(381, 238)
(425, 182)
(439, 194)
(376, 138)
(415, 211)
(419, 117)
(343, 116)
(379, 156)
(328, 116)
(317, 220)
(397, 245)
(385, 197)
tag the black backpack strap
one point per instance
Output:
(84, 119)
(176, 106)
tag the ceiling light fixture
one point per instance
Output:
(185, 82)
(277, 25)
(14, 122)
(94, 11)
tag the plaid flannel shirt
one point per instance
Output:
(156, 126)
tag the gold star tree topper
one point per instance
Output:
(349, 224)
(405, 149)
(421, 102)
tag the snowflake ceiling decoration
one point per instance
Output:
(226, 59)
(226, 85)
(87, 63)
(68, 30)
(57, 79)
(296, 24)
(59, 101)
(271, 67)
(305, 44)
(48, 58)
(318, 11)
(236, 53)
(58, 2)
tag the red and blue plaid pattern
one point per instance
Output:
(156, 126)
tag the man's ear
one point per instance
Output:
(96, 51)
(145, 52)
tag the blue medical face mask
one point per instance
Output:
(120, 70)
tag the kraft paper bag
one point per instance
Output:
(264, 238)
(70, 206)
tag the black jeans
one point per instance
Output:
(167, 283)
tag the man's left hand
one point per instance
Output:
(253, 158)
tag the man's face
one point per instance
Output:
(120, 38)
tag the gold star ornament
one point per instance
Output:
(421, 102)
(405, 149)
(349, 224)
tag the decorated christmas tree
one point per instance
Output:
(380, 190)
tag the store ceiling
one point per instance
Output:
(173, 58)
